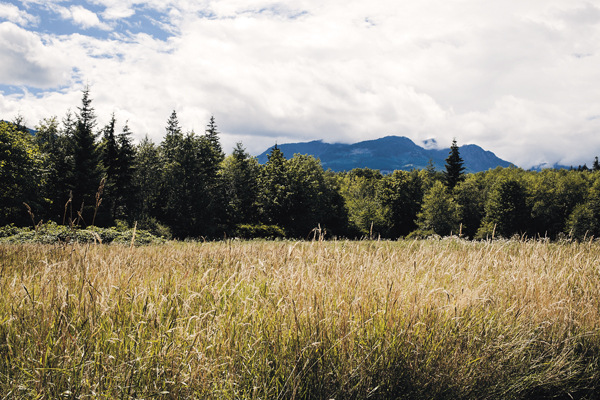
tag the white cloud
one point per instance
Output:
(81, 16)
(517, 78)
(13, 14)
(27, 60)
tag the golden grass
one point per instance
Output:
(259, 319)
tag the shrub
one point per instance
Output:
(249, 231)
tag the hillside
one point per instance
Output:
(387, 154)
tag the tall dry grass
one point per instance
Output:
(301, 320)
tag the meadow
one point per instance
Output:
(435, 319)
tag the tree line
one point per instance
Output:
(74, 172)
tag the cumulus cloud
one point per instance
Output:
(82, 17)
(518, 78)
(27, 60)
(12, 13)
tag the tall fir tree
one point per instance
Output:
(173, 138)
(109, 150)
(212, 134)
(240, 184)
(454, 172)
(124, 172)
(147, 172)
(87, 158)
(273, 189)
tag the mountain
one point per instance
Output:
(388, 154)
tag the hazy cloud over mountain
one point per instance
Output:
(517, 78)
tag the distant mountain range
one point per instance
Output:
(388, 154)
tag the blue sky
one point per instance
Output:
(518, 78)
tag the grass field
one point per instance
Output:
(301, 320)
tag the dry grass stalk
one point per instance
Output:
(98, 199)
(420, 319)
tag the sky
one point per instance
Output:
(518, 78)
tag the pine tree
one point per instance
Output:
(109, 148)
(273, 188)
(596, 165)
(87, 158)
(173, 138)
(454, 167)
(212, 136)
(125, 169)
(240, 183)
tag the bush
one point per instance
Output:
(50, 233)
(250, 231)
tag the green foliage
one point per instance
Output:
(273, 191)
(21, 174)
(190, 187)
(553, 196)
(55, 144)
(506, 210)
(239, 174)
(87, 157)
(51, 233)
(399, 195)
(146, 181)
(365, 214)
(439, 213)
(584, 221)
(470, 199)
(249, 231)
(187, 188)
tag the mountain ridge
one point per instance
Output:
(387, 154)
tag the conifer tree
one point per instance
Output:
(454, 167)
(173, 137)
(212, 136)
(87, 158)
(240, 183)
(147, 171)
(124, 171)
(273, 193)
(55, 144)
(109, 150)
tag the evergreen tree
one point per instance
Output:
(124, 171)
(454, 167)
(173, 137)
(273, 193)
(87, 157)
(147, 173)
(55, 146)
(596, 165)
(109, 150)
(240, 183)
(213, 137)
(190, 192)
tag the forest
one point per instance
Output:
(73, 172)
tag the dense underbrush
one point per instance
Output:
(51, 233)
